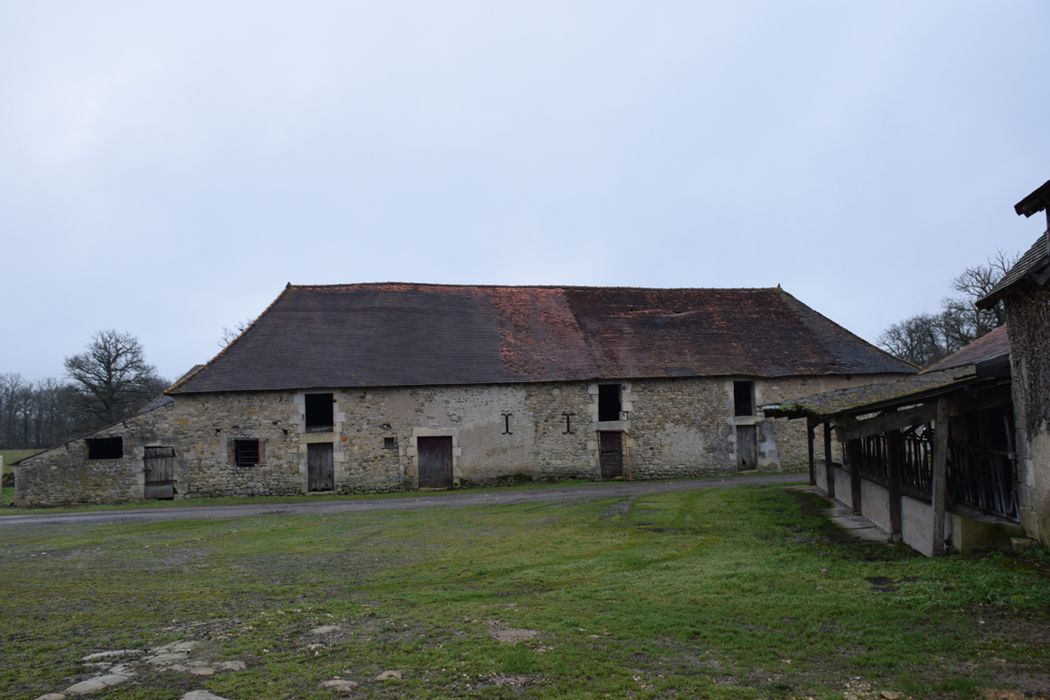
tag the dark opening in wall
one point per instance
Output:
(389, 443)
(319, 412)
(246, 453)
(105, 448)
(744, 398)
(609, 406)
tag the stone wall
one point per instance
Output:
(1028, 318)
(64, 474)
(672, 428)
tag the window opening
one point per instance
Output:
(105, 448)
(744, 398)
(246, 453)
(319, 412)
(390, 443)
(609, 402)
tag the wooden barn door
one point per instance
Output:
(610, 457)
(746, 448)
(160, 472)
(320, 467)
(435, 461)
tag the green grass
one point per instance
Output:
(13, 457)
(726, 593)
(7, 494)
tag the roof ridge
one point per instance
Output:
(528, 286)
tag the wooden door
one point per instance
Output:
(320, 468)
(746, 448)
(160, 472)
(435, 461)
(610, 453)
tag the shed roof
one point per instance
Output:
(397, 334)
(1035, 260)
(955, 370)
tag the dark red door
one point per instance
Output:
(610, 457)
(435, 461)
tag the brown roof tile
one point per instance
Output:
(394, 334)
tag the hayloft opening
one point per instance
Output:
(609, 404)
(744, 398)
(319, 412)
(246, 453)
(105, 448)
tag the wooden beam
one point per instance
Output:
(894, 448)
(853, 456)
(940, 474)
(887, 421)
(829, 466)
(811, 426)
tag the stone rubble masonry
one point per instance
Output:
(1028, 319)
(673, 428)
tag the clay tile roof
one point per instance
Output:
(394, 334)
(988, 347)
(958, 369)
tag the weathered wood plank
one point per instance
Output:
(888, 421)
(940, 472)
(829, 466)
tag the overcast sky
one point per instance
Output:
(165, 168)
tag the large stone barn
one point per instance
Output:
(377, 387)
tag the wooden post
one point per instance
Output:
(829, 466)
(940, 474)
(894, 443)
(811, 426)
(853, 456)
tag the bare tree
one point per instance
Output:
(112, 376)
(925, 338)
(231, 334)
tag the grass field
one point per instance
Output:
(734, 593)
(12, 457)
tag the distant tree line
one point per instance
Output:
(925, 338)
(109, 381)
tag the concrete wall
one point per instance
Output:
(1028, 317)
(672, 428)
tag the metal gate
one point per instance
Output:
(160, 472)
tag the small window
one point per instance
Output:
(609, 402)
(245, 453)
(319, 413)
(105, 448)
(744, 398)
(390, 443)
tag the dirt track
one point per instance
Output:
(487, 497)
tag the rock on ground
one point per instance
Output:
(340, 686)
(394, 675)
(94, 685)
(201, 695)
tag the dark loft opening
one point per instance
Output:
(744, 398)
(105, 448)
(609, 402)
(389, 443)
(319, 412)
(246, 453)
